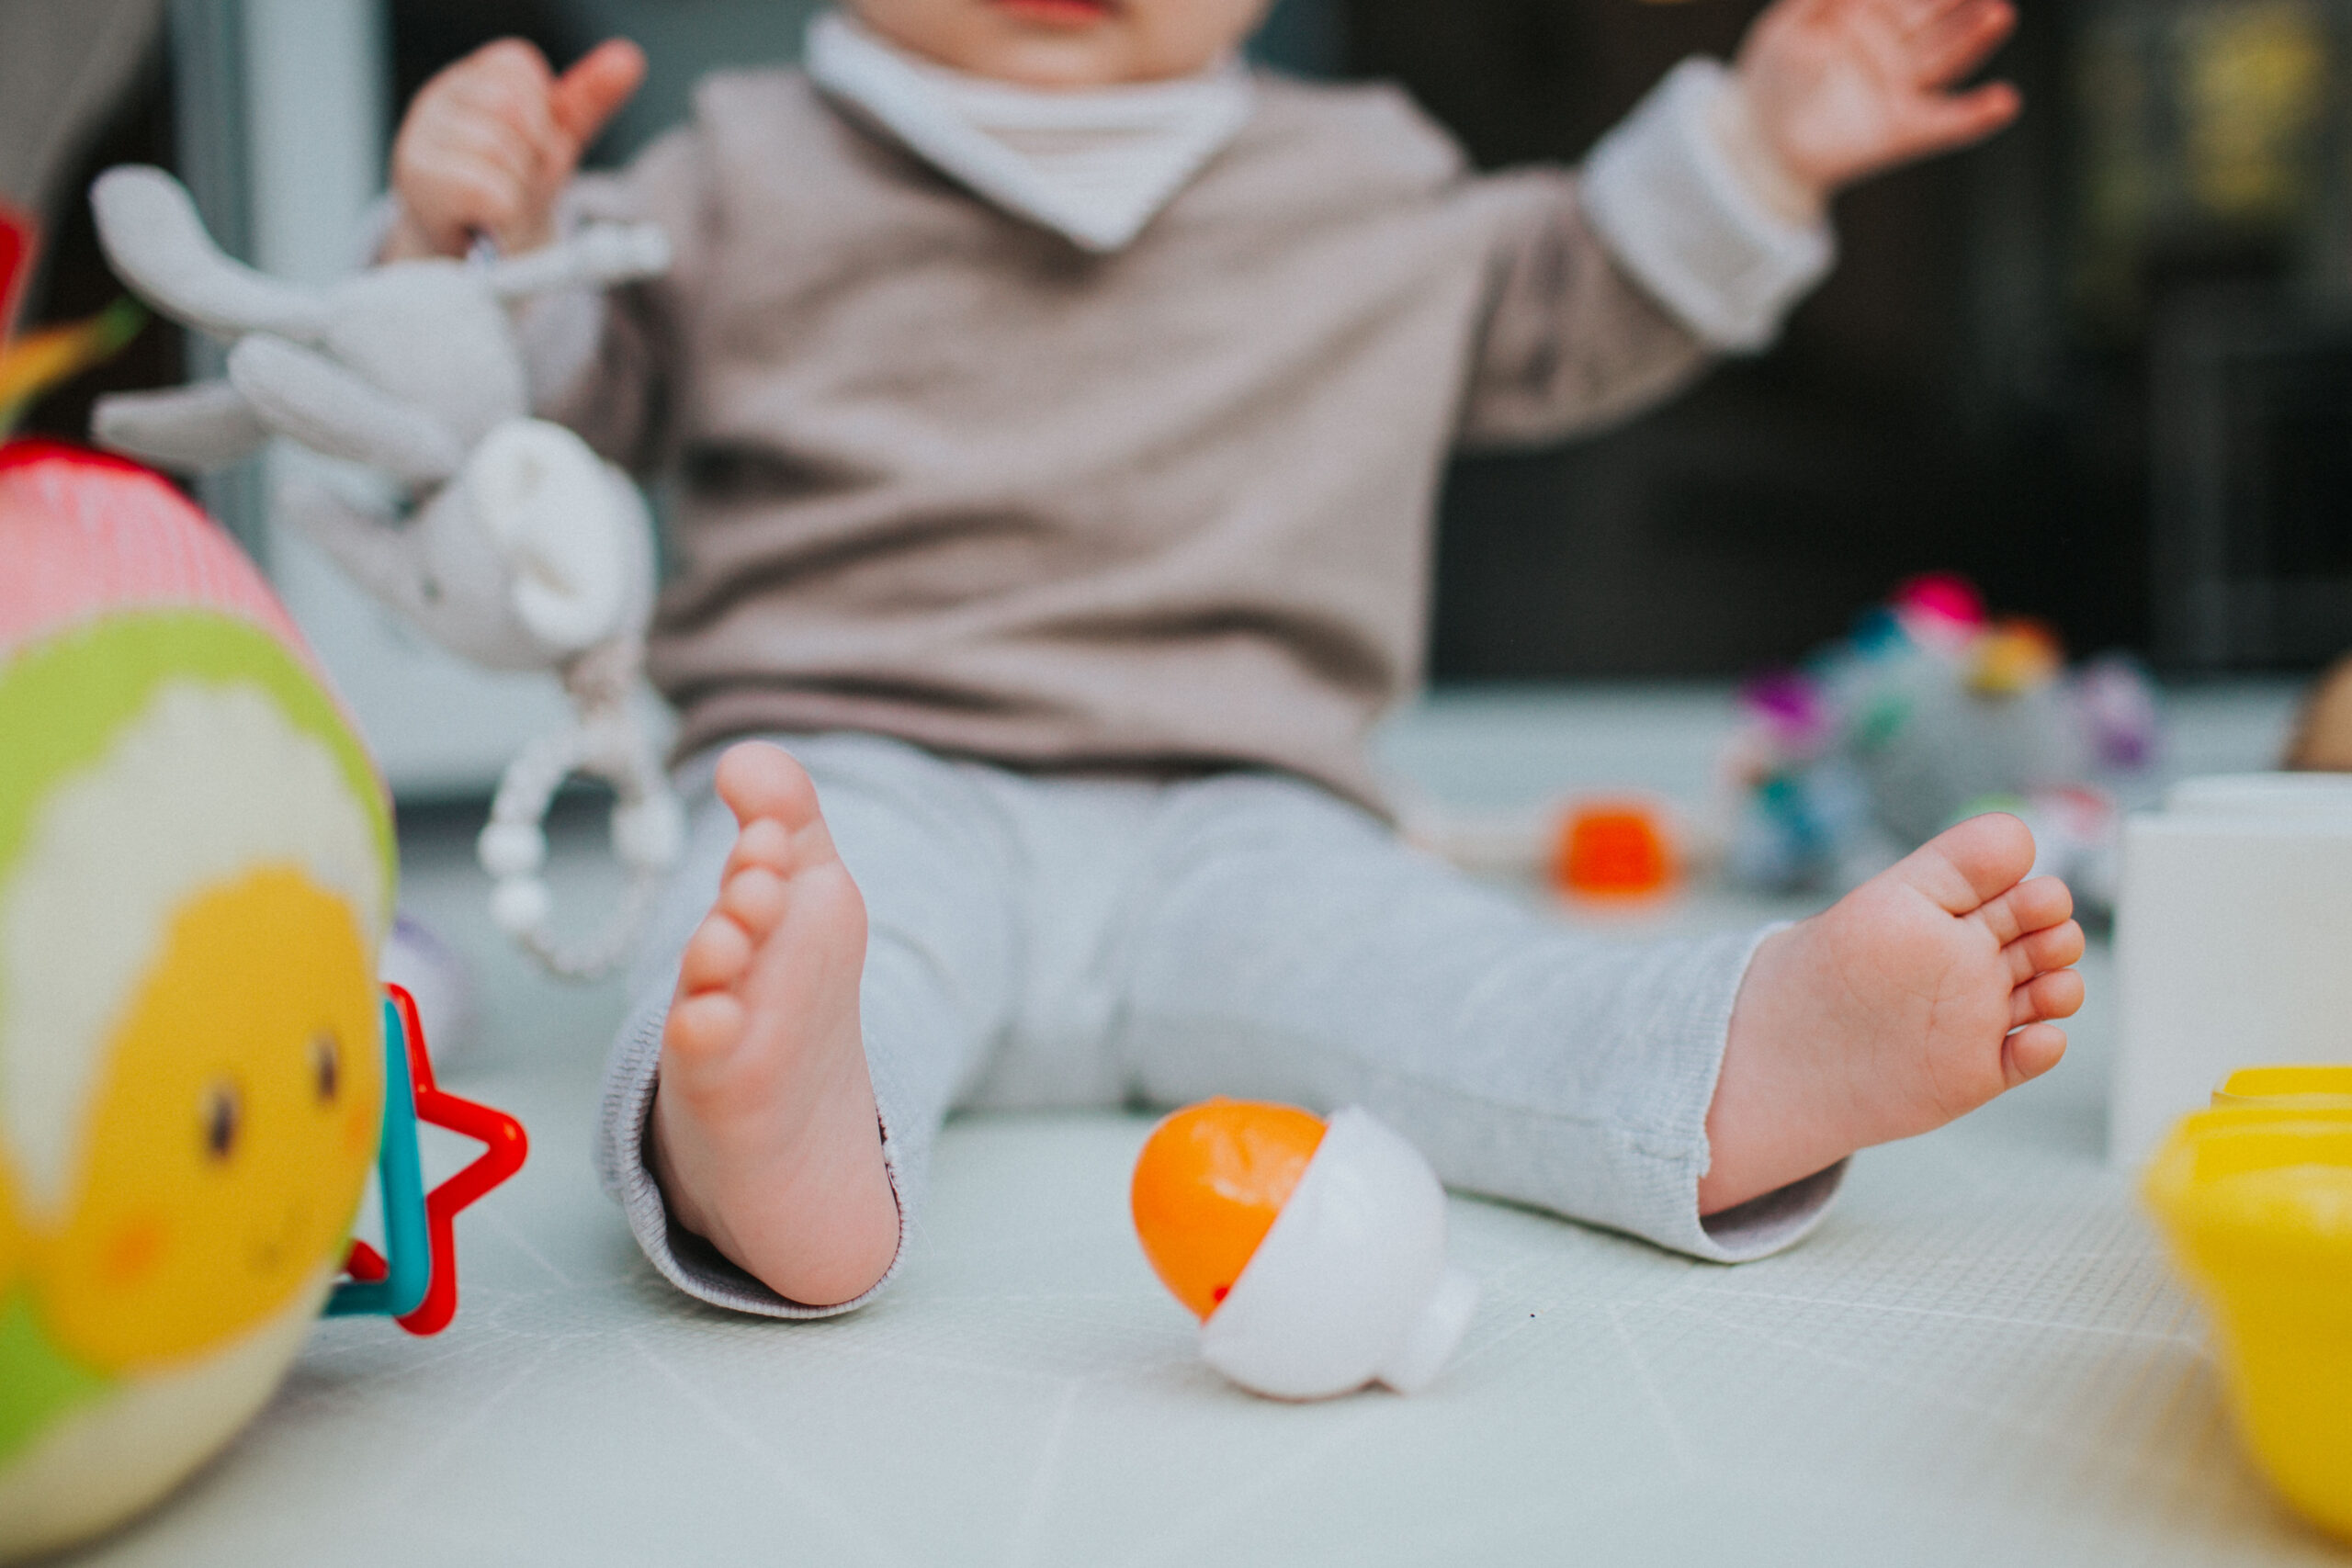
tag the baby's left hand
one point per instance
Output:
(1840, 89)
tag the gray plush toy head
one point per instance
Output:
(521, 551)
(514, 545)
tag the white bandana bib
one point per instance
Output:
(1094, 166)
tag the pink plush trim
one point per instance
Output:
(84, 532)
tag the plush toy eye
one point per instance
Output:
(223, 1112)
(326, 1067)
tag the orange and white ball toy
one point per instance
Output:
(1313, 1252)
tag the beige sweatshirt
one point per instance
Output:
(943, 475)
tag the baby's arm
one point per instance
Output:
(1697, 223)
(490, 149)
(490, 144)
(1831, 92)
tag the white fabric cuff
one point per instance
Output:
(1667, 200)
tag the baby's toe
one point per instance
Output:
(2042, 903)
(716, 957)
(2036, 952)
(754, 897)
(758, 780)
(763, 841)
(2031, 1051)
(2055, 994)
(2028, 906)
(702, 1027)
(1971, 864)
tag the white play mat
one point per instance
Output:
(1980, 1359)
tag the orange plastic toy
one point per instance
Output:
(1312, 1250)
(1613, 849)
(1207, 1188)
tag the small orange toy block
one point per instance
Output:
(1618, 848)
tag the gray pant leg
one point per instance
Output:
(926, 845)
(1284, 945)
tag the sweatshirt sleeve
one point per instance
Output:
(1612, 285)
(1664, 191)
(1571, 341)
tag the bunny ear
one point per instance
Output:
(158, 244)
(310, 399)
(186, 428)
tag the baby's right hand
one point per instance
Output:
(488, 144)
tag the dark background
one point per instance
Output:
(2124, 413)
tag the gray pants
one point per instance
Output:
(1058, 942)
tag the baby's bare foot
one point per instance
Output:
(765, 1140)
(1917, 996)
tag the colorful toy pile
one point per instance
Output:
(31, 365)
(1931, 711)
(196, 874)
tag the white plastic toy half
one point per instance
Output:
(1351, 1285)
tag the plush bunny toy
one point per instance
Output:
(515, 548)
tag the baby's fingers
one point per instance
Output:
(1939, 124)
(594, 90)
(506, 85)
(1914, 16)
(508, 78)
(453, 196)
(490, 144)
(1961, 40)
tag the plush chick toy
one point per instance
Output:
(195, 871)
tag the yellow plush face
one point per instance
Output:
(231, 1132)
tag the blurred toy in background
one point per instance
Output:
(32, 364)
(196, 877)
(1313, 1252)
(1930, 711)
(1624, 852)
(1615, 849)
(419, 961)
(19, 244)
(507, 541)
(2322, 739)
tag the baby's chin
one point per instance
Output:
(1066, 45)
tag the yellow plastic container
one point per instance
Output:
(2298, 1088)
(2256, 1199)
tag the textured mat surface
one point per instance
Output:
(1979, 1359)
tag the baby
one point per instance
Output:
(1056, 409)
